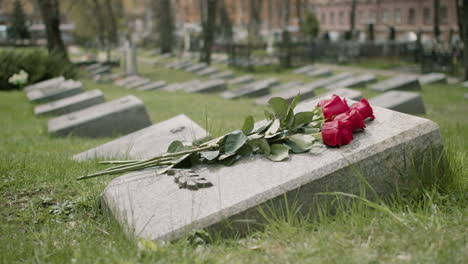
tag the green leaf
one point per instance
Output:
(175, 146)
(248, 125)
(294, 102)
(264, 127)
(302, 118)
(234, 141)
(246, 150)
(230, 160)
(279, 152)
(262, 145)
(280, 106)
(225, 156)
(268, 115)
(301, 142)
(210, 155)
(273, 129)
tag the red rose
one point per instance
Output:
(353, 118)
(333, 107)
(337, 133)
(364, 109)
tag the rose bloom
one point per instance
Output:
(364, 109)
(353, 118)
(333, 107)
(337, 133)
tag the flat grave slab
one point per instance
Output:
(208, 71)
(153, 207)
(197, 67)
(289, 85)
(319, 73)
(211, 86)
(343, 92)
(465, 84)
(147, 142)
(182, 86)
(244, 79)
(224, 75)
(353, 82)
(138, 83)
(397, 83)
(47, 84)
(101, 70)
(320, 83)
(289, 94)
(304, 69)
(259, 88)
(433, 77)
(120, 116)
(152, 86)
(128, 79)
(466, 96)
(71, 104)
(401, 101)
(93, 67)
(65, 89)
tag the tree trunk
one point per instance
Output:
(165, 25)
(255, 8)
(436, 20)
(112, 34)
(299, 15)
(225, 22)
(50, 12)
(208, 12)
(352, 18)
(464, 36)
(286, 36)
(101, 24)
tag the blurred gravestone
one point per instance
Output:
(397, 83)
(401, 101)
(71, 104)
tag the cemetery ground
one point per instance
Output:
(49, 217)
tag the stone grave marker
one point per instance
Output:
(101, 70)
(152, 86)
(138, 83)
(93, 67)
(289, 94)
(224, 75)
(465, 84)
(120, 116)
(290, 85)
(343, 92)
(183, 66)
(244, 79)
(433, 77)
(401, 101)
(197, 67)
(466, 96)
(397, 83)
(208, 71)
(259, 88)
(211, 86)
(182, 86)
(319, 73)
(353, 82)
(127, 80)
(147, 142)
(47, 84)
(65, 89)
(70, 104)
(152, 206)
(304, 69)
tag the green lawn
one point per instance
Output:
(49, 217)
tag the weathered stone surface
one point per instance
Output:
(153, 206)
(397, 83)
(152, 86)
(47, 84)
(433, 77)
(65, 89)
(319, 73)
(128, 79)
(147, 142)
(304, 69)
(182, 65)
(401, 101)
(290, 85)
(120, 116)
(138, 83)
(353, 82)
(182, 86)
(101, 70)
(71, 104)
(259, 88)
(197, 67)
(465, 84)
(343, 92)
(208, 71)
(211, 86)
(224, 75)
(244, 79)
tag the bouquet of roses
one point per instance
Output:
(332, 122)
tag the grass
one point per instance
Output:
(48, 217)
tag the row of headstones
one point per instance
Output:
(85, 113)
(393, 97)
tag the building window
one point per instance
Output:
(386, 16)
(341, 18)
(443, 15)
(427, 16)
(332, 18)
(411, 16)
(397, 16)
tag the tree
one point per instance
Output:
(286, 35)
(208, 10)
(50, 12)
(311, 26)
(225, 23)
(352, 18)
(462, 11)
(436, 19)
(255, 9)
(18, 28)
(165, 25)
(299, 9)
